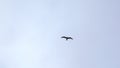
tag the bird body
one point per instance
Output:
(67, 37)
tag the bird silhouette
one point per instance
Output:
(67, 38)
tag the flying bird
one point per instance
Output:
(67, 37)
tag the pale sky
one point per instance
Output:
(30, 32)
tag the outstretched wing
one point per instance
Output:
(70, 38)
(63, 37)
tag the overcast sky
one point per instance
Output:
(30, 32)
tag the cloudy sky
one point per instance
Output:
(30, 32)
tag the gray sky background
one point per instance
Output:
(30, 32)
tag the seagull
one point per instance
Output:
(67, 38)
